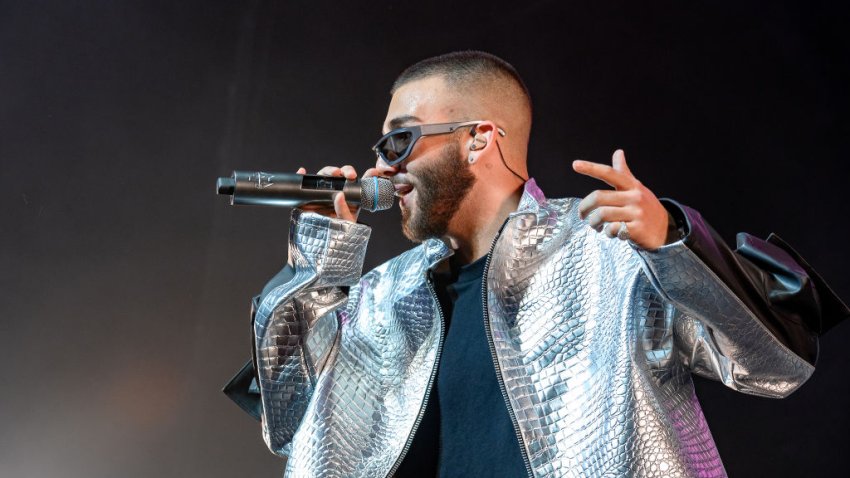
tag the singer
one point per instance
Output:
(523, 335)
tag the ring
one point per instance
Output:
(623, 232)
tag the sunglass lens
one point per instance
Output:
(395, 145)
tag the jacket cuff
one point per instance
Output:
(334, 249)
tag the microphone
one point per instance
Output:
(293, 190)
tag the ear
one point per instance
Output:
(481, 139)
(484, 130)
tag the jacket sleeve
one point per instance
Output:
(295, 323)
(748, 317)
(242, 388)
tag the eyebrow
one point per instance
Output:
(400, 121)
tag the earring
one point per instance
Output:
(477, 143)
(471, 159)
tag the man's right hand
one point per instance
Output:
(341, 209)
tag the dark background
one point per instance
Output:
(126, 281)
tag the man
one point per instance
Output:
(524, 336)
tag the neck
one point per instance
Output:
(474, 228)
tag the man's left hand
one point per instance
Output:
(630, 203)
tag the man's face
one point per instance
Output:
(440, 184)
(435, 179)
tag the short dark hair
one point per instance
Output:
(463, 68)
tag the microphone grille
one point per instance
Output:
(376, 194)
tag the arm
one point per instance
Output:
(748, 318)
(242, 388)
(295, 326)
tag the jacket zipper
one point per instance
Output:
(430, 379)
(492, 343)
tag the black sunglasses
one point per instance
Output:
(395, 146)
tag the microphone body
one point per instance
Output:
(293, 190)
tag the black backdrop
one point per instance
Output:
(125, 281)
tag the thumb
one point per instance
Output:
(341, 208)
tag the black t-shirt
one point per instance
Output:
(466, 429)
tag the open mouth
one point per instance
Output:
(401, 189)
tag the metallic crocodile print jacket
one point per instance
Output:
(593, 340)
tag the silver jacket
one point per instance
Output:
(593, 340)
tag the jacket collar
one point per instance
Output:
(532, 199)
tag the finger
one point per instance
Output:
(599, 216)
(604, 197)
(301, 171)
(349, 172)
(341, 208)
(330, 171)
(603, 172)
(612, 229)
(618, 161)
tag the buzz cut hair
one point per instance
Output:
(466, 69)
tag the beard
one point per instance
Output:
(441, 187)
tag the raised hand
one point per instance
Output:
(631, 211)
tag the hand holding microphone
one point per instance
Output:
(330, 192)
(341, 208)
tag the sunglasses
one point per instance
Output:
(395, 146)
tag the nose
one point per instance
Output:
(384, 169)
(387, 171)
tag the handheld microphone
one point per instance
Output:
(293, 190)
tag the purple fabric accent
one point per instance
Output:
(534, 191)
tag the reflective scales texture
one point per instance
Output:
(595, 341)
